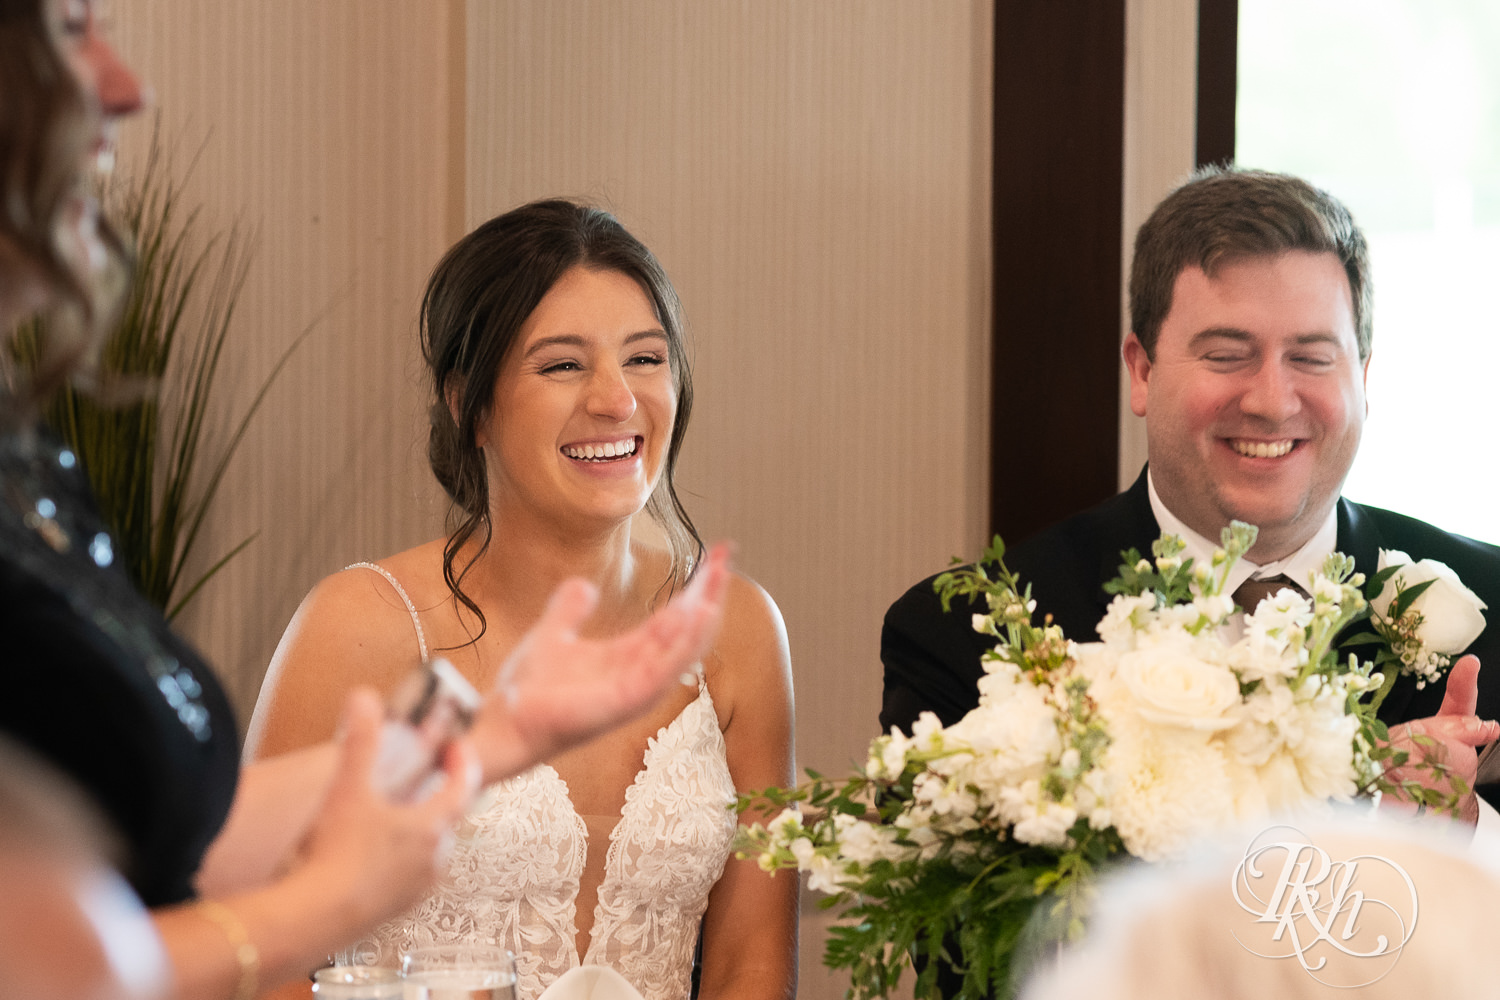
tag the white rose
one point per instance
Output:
(1172, 687)
(1450, 611)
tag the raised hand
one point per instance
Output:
(1457, 732)
(557, 689)
(385, 853)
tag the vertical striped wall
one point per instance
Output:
(322, 129)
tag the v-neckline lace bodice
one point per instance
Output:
(513, 877)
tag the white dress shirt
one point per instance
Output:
(1299, 566)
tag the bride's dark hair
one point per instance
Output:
(479, 295)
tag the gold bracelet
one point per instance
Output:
(245, 951)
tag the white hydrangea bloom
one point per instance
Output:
(1281, 614)
(1046, 824)
(888, 756)
(787, 826)
(1125, 616)
(823, 872)
(1215, 608)
(1325, 590)
(1172, 787)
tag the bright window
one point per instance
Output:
(1394, 107)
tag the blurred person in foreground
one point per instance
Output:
(251, 875)
(70, 928)
(1350, 907)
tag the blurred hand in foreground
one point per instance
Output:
(557, 689)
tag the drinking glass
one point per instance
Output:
(459, 972)
(357, 982)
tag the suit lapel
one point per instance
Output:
(1131, 525)
(1360, 537)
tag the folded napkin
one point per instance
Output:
(590, 982)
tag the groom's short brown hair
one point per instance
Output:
(1224, 214)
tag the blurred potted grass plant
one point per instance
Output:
(140, 432)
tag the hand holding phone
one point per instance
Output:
(432, 707)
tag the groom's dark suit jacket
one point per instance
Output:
(932, 659)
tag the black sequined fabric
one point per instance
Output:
(92, 677)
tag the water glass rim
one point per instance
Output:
(364, 981)
(356, 974)
(457, 957)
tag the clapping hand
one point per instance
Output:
(557, 689)
(1457, 731)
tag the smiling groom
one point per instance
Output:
(1250, 315)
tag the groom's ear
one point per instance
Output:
(1138, 363)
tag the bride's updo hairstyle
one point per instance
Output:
(479, 296)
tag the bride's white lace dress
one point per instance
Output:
(514, 874)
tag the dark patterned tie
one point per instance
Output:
(1253, 591)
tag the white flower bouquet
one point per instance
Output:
(952, 843)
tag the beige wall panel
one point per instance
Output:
(815, 178)
(1161, 92)
(323, 128)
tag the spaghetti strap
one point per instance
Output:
(400, 592)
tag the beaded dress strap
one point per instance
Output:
(400, 592)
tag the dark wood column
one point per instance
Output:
(1218, 79)
(1059, 135)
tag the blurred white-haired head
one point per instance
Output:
(1354, 906)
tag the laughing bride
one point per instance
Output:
(553, 340)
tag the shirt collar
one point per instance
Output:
(1299, 566)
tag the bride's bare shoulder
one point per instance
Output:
(751, 616)
(352, 628)
(750, 675)
(751, 653)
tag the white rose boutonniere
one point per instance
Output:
(1424, 612)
